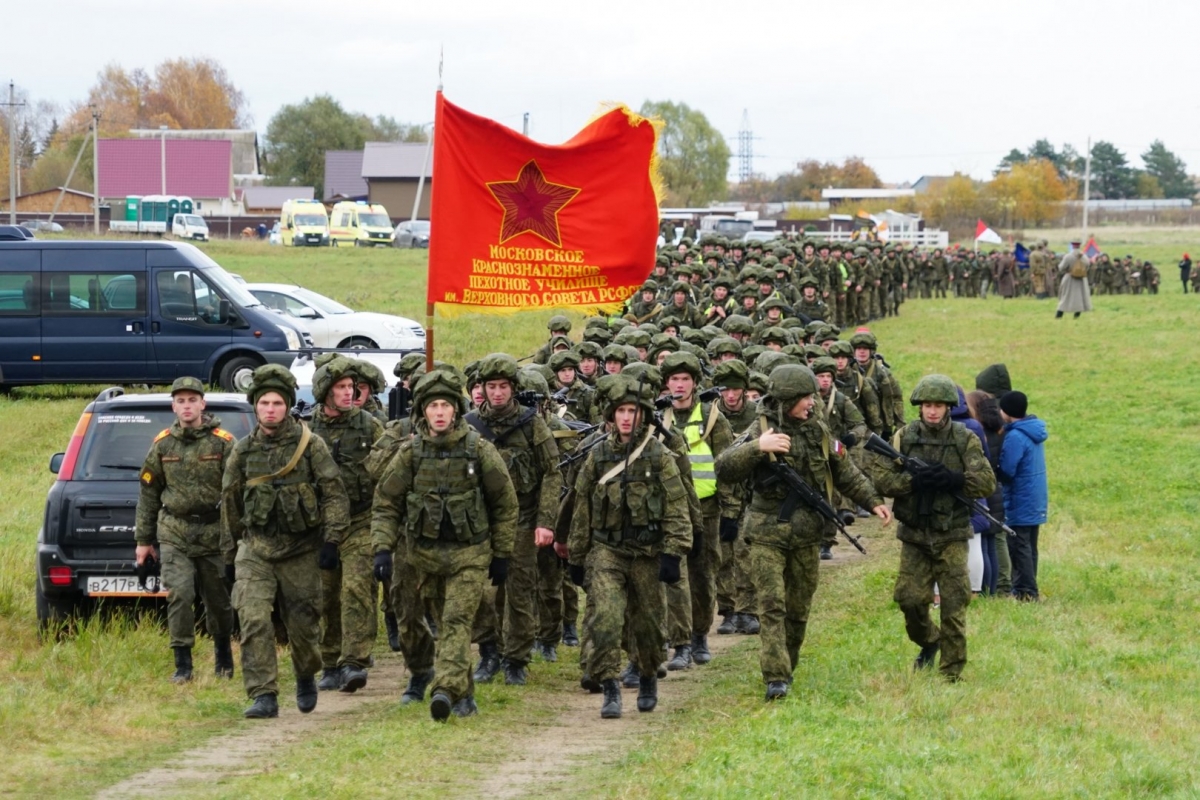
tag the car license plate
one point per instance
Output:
(123, 586)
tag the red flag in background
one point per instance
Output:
(522, 225)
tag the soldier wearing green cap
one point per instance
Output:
(348, 595)
(559, 325)
(178, 512)
(851, 382)
(645, 306)
(811, 305)
(444, 521)
(934, 527)
(784, 556)
(887, 387)
(282, 502)
(579, 402)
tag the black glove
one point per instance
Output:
(577, 574)
(924, 478)
(951, 481)
(729, 530)
(148, 568)
(498, 571)
(668, 569)
(383, 566)
(230, 573)
(328, 558)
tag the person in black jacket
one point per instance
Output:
(1185, 271)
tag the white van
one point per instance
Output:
(190, 226)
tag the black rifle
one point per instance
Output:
(879, 446)
(800, 492)
(399, 399)
(530, 398)
(708, 395)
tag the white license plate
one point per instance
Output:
(123, 586)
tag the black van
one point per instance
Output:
(130, 312)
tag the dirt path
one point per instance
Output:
(234, 753)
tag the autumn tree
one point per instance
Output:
(1029, 192)
(694, 157)
(955, 204)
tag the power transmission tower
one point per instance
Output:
(745, 149)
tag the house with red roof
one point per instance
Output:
(201, 169)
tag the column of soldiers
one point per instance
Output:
(637, 461)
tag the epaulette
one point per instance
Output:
(163, 435)
(226, 435)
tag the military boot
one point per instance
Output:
(548, 652)
(570, 635)
(682, 659)
(393, 631)
(353, 679)
(847, 516)
(728, 623)
(750, 625)
(489, 662)
(331, 679)
(611, 709)
(647, 697)
(183, 665)
(826, 553)
(223, 657)
(515, 673)
(263, 707)
(306, 694)
(629, 676)
(700, 652)
(418, 682)
(465, 707)
(777, 690)
(439, 706)
(589, 684)
(926, 656)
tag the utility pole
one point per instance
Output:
(12, 106)
(525, 125)
(95, 171)
(1087, 186)
(162, 135)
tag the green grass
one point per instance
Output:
(1093, 692)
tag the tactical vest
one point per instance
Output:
(933, 511)
(812, 465)
(350, 451)
(446, 501)
(630, 506)
(286, 505)
(517, 449)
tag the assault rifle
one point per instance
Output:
(879, 446)
(800, 492)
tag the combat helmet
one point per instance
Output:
(935, 389)
(440, 384)
(559, 324)
(682, 362)
(330, 373)
(498, 366)
(272, 378)
(789, 382)
(864, 339)
(732, 374)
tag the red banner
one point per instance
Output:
(519, 225)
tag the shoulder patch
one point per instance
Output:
(226, 435)
(163, 435)
(147, 477)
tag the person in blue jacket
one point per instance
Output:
(1022, 470)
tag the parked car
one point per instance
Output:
(760, 236)
(412, 233)
(131, 312)
(86, 542)
(334, 325)
(42, 225)
(15, 233)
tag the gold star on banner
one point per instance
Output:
(531, 204)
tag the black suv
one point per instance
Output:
(85, 546)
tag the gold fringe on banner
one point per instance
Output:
(456, 310)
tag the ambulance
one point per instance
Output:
(304, 223)
(360, 224)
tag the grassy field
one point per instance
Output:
(1092, 692)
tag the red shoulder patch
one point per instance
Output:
(226, 435)
(163, 435)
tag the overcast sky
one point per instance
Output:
(915, 88)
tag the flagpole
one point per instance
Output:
(429, 304)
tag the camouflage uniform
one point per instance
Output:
(348, 607)
(278, 526)
(447, 505)
(178, 510)
(934, 528)
(784, 556)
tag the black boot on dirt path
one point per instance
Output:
(728, 623)
(629, 676)
(611, 709)
(489, 662)
(306, 694)
(418, 683)
(647, 697)
(393, 631)
(700, 652)
(183, 665)
(682, 659)
(826, 553)
(589, 684)
(353, 679)
(749, 625)
(777, 690)
(515, 673)
(331, 679)
(263, 707)
(223, 657)
(570, 635)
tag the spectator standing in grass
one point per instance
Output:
(1185, 271)
(1022, 470)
